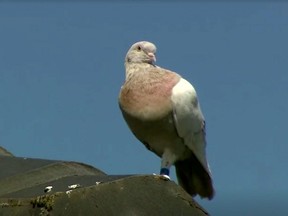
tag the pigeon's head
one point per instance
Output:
(141, 52)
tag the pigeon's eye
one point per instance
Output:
(139, 48)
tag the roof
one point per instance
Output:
(32, 186)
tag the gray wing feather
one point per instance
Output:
(189, 120)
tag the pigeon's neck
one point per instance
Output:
(132, 68)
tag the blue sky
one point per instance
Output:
(62, 65)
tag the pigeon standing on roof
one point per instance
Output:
(162, 110)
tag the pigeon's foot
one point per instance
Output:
(164, 177)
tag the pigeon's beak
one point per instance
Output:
(152, 56)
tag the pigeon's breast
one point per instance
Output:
(147, 95)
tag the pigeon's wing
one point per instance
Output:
(189, 120)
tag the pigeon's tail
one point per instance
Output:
(194, 178)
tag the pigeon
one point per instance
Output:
(163, 112)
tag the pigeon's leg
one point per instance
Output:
(168, 159)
